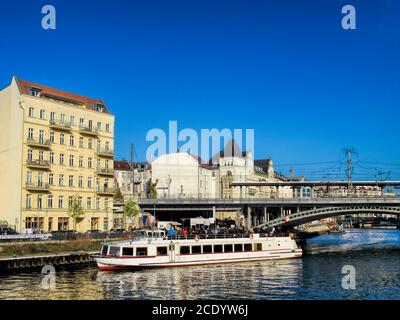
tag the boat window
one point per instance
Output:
(141, 251)
(218, 248)
(104, 250)
(248, 247)
(258, 246)
(185, 250)
(162, 251)
(114, 251)
(228, 248)
(196, 249)
(238, 247)
(207, 249)
(127, 251)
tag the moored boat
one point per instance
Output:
(153, 249)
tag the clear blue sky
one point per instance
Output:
(285, 68)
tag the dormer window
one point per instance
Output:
(99, 108)
(34, 92)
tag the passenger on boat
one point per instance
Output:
(171, 232)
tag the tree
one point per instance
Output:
(131, 209)
(153, 190)
(75, 210)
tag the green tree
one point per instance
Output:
(153, 190)
(131, 209)
(75, 210)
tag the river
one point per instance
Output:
(375, 255)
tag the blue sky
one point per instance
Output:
(283, 68)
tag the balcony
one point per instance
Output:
(105, 172)
(60, 125)
(41, 187)
(38, 164)
(105, 152)
(106, 191)
(39, 143)
(88, 131)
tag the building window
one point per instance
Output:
(97, 204)
(51, 179)
(50, 201)
(70, 201)
(60, 202)
(51, 157)
(52, 116)
(81, 142)
(30, 134)
(98, 126)
(29, 177)
(81, 121)
(63, 224)
(30, 155)
(31, 112)
(62, 118)
(108, 127)
(41, 136)
(99, 108)
(94, 224)
(90, 143)
(62, 138)
(61, 180)
(28, 201)
(89, 182)
(40, 179)
(39, 202)
(41, 156)
(34, 92)
(72, 120)
(61, 159)
(71, 160)
(80, 162)
(71, 141)
(80, 182)
(89, 203)
(51, 137)
(42, 114)
(71, 181)
(90, 163)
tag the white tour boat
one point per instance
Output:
(152, 248)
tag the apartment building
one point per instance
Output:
(133, 180)
(56, 147)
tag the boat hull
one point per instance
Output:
(110, 263)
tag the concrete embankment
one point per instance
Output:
(36, 262)
(29, 255)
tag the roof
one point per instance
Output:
(45, 91)
(231, 149)
(122, 165)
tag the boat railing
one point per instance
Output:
(225, 236)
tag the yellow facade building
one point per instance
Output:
(56, 148)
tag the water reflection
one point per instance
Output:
(317, 275)
(236, 281)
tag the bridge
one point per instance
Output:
(283, 212)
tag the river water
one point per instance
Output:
(375, 255)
